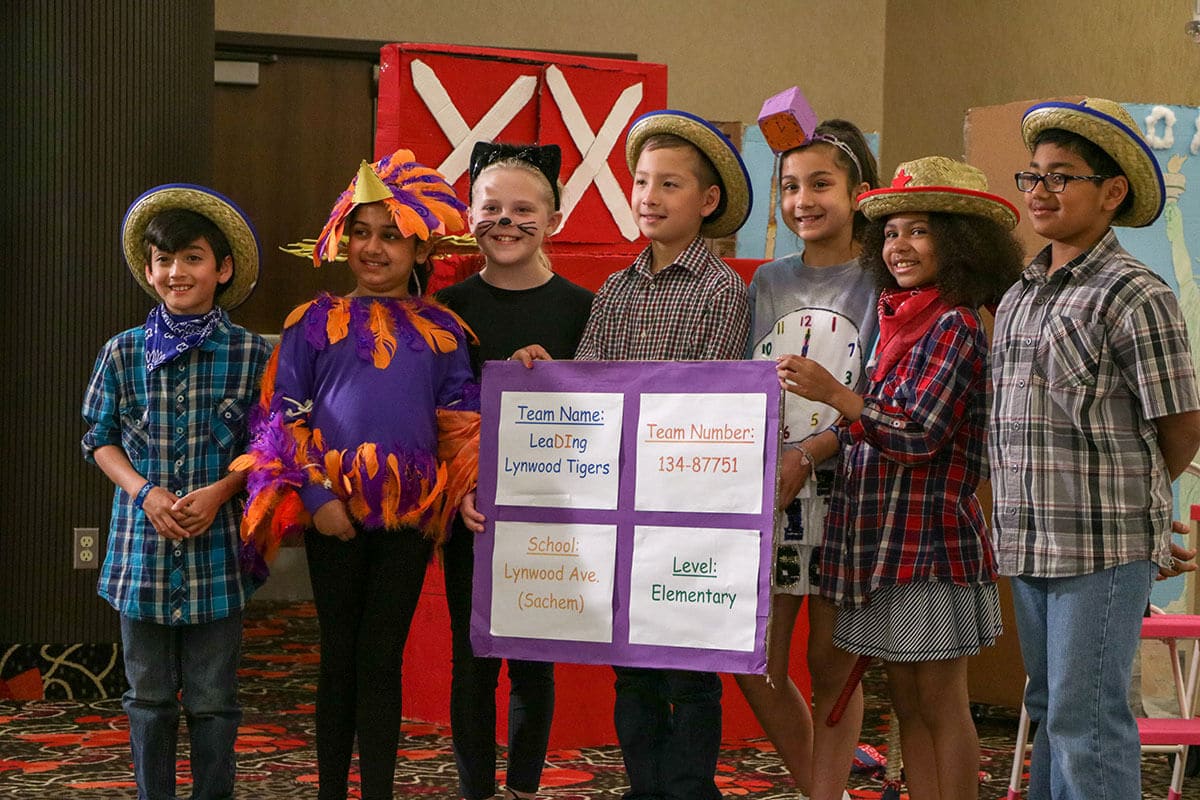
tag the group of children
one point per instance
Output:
(364, 438)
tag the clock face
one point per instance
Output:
(830, 339)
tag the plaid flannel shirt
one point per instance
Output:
(692, 310)
(180, 426)
(903, 507)
(1083, 361)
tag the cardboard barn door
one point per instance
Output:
(439, 100)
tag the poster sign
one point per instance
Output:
(628, 522)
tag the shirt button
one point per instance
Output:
(1028, 340)
(1021, 384)
(896, 423)
(180, 366)
(1015, 468)
(178, 552)
(179, 399)
(228, 415)
(1010, 511)
(179, 492)
(176, 614)
(179, 429)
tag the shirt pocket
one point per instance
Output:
(1075, 353)
(228, 422)
(135, 432)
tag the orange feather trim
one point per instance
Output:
(337, 322)
(297, 314)
(385, 339)
(408, 221)
(458, 450)
(391, 492)
(438, 338)
(367, 458)
(267, 385)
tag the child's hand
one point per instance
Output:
(159, 507)
(794, 472)
(529, 354)
(470, 514)
(196, 510)
(1183, 559)
(805, 377)
(331, 519)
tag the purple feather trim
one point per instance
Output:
(273, 447)
(252, 564)
(360, 329)
(315, 320)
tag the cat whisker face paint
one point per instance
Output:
(485, 226)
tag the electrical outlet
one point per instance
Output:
(86, 553)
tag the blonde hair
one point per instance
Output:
(547, 194)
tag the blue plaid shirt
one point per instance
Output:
(180, 426)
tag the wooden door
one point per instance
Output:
(283, 150)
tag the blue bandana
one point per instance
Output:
(169, 336)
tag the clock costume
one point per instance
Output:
(826, 314)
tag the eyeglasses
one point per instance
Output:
(1053, 181)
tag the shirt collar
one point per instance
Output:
(1080, 267)
(693, 258)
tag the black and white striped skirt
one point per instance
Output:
(921, 622)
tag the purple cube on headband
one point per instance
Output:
(787, 120)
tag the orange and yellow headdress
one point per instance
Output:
(420, 200)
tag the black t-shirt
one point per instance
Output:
(505, 320)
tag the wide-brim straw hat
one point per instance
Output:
(937, 184)
(223, 212)
(735, 179)
(1110, 127)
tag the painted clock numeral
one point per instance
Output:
(830, 339)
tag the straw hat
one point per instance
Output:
(223, 213)
(1108, 126)
(704, 135)
(938, 184)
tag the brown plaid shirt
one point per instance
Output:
(692, 310)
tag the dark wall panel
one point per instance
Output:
(102, 99)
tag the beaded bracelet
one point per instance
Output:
(140, 499)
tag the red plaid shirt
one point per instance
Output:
(903, 508)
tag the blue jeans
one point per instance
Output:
(202, 660)
(1079, 636)
(669, 725)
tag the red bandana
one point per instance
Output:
(905, 315)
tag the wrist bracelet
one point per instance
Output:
(140, 499)
(806, 457)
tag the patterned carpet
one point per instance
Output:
(69, 749)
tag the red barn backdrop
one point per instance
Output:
(438, 100)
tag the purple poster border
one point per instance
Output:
(631, 379)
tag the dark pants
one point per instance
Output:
(366, 591)
(473, 694)
(669, 726)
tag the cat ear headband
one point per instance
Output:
(546, 159)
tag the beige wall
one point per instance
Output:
(723, 59)
(945, 56)
(909, 69)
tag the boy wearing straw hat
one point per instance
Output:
(1095, 414)
(676, 302)
(166, 410)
